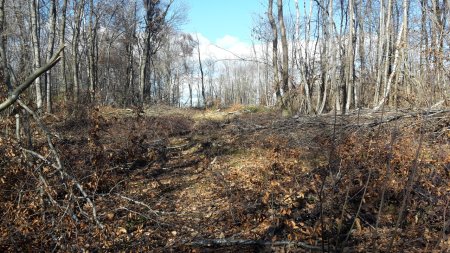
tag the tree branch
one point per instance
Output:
(30, 79)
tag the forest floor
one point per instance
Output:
(242, 179)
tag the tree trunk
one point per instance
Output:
(387, 58)
(332, 51)
(284, 47)
(62, 41)
(201, 72)
(75, 38)
(3, 45)
(305, 65)
(50, 49)
(362, 56)
(92, 40)
(380, 54)
(274, 52)
(143, 68)
(350, 56)
(130, 57)
(398, 48)
(34, 9)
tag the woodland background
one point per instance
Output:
(320, 56)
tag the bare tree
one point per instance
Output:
(155, 18)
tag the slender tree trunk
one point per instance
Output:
(305, 65)
(62, 34)
(324, 65)
(284, 47)
(34, 9)
(274, 52)
(398, 47)
(3, 45)
(201, 73)
(109, 88)
(299, 56)
(50, 49)
(143, 69)
(387, 58)
(350, 56)
(75, 38)
(92, 40)
(146, 51)
(330, 79)
(362, 57)
(332, 51)
(190, 90)
(130, 57)
(380, 54)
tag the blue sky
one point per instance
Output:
(215, 19)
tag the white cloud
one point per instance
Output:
(227, 41)
(227, 47)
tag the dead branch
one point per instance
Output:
(58, 165)
(14, 96)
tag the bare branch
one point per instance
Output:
(30, 79)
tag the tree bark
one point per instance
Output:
(75, 38)
(92, 40)
(50, 49)
(350, 57)
(273, 25)
(387, 58)
(34, 10)
(398, 48)
(62, 41)
(284, 47)
(380, 54)
(3, 45)
(201, 72)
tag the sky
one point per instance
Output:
(223, 24)
(216, 19)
